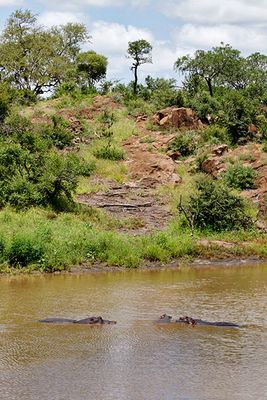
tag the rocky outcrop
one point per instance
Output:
(177, 117)
(213, 164)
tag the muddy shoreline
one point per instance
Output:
(175, 264)
(179, 264)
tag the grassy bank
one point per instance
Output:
(42, 240)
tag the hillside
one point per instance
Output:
(127, 210)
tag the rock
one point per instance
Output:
(212, 166)
(177, 117)
(220, 150)
(141, 118)
(173, 154)
(261, 226)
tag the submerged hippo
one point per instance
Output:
(85, 321)
(192, 321)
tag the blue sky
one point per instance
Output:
(173, 27)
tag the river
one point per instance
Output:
(135, 359)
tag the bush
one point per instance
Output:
(185, 143)
(24, 251)
(213, 206)
(215, 134)
(204, 105)
(2, 248)
(109, 152)
(236, 114)
(241, 177)
(140, 107)
(4, 106)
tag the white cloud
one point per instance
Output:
(245, 39)
(113, 38)
(50, 18)
(212, 12)
(79, 4)
(4, 3)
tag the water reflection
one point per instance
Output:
(135, 359)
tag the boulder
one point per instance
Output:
(177, 117)
(213, 165)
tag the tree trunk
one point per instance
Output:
(209, 86)
(135, 80)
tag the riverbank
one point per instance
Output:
(38, 239)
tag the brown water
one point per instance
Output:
(135, 359)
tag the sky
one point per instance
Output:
(173, 27)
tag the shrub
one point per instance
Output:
(2, 248)
(109, 152)
(4, 106)
(185, 143)
(204, 105)
(140, 107)
(264, 147)
(59, 133)
(241, 177)
(24, 251)
(236, 114)
(215, 134)
(213, 206)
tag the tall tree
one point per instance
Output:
(214, 66)
(33, 58)
(91, 67)
(140, 52)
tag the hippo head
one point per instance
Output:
(165, 318)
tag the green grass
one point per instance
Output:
(122, 129)
(38, 239)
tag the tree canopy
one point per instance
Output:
(140, 52)
(224, 66)
(34, 58)
(91, 67)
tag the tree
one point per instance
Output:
(140, 52)
(91, 67)
(32, 171)
(213, 206)
(36, 59)
(215, 66)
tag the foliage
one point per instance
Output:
(109, 152)
(213, 66)
(59, 133)
(205, 106)
(224, 66)
(138, 106)
(91, 67)
(261, 122)
(4, 102)
(185, 143)
(35, 59)
(31, 171)
(140, 52)
(24, 251)
(162, 92)
(237, 113)
(213, 206)
(215, 134)
(241, 177)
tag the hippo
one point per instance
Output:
(85, 321)
(193, 321)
